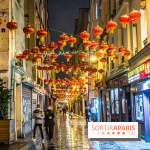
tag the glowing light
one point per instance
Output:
(93, 58)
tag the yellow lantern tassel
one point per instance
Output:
(34, 55)
(143, 3)
(86, 48)
(84, 40)
(62, 69)
(64, 43)
(123, 25)
(135, 21)
(53, 60)
(61, 48)
(114, 61)
(94, 49)
(111, 57)
(122, 54)
(56, 71)
(82, 59)
(12, 31)
(97, 36)
(55, 67)
(44, 53)
(46, 65)
(52, 51)
(28, 36)
(68, 59)
(18, 59)
(66, 72)
(41, 39)
(126, 57)
(69, 69)
(26, 56)
(71, 45)
(85, 67)
(111, 31)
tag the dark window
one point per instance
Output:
(2, 29)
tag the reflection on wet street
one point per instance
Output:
(72, 134)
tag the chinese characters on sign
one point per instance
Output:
(139, 72)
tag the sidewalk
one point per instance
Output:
(22, 143)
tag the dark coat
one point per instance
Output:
(49, 118)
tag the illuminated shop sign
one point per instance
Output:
(139, 72)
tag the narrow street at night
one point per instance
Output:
(74, 74)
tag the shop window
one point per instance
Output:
(116, 101)
(143, 27)
(139, 107)
(3, 30)
(112, 101)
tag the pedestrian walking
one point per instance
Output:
(71, 112)
(64, 111)
(94, 113)
(49, 122)
(39, 116)
(87, 114)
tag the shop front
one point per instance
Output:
(95, 105)
(139, 79)
(117, 99)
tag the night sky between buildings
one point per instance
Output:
(62, 15)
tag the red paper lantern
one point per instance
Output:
(84, 36)
(55, 64)
(50, 68)
(87, 44)
(35, 51)
(94, 45)
(125, 19)
(66, 70)
(67, 56)
(71, 41)
(35, 60)
(97, 31)
(12, 26)
(64, 38)
(112, 48)
(39, 68)
(46, 62)
(103, 60)
(28, 30)
(88, 69)
(62, 66)
(38, 56)
(135, 15)
(98, 54)
(27, 53)
(82, 55)
(41, 33)
(43, 49)
(93, 71)
(52, 46)
(69, 66)
(111, 25)
(45, 80)
(104, 46)
(127, 53)
(122, 50)
(60, 44)
(101, 71)
(18, 57)
(57, 69)
(115, 58)
(53, 57)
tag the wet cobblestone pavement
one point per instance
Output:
(72, 134)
